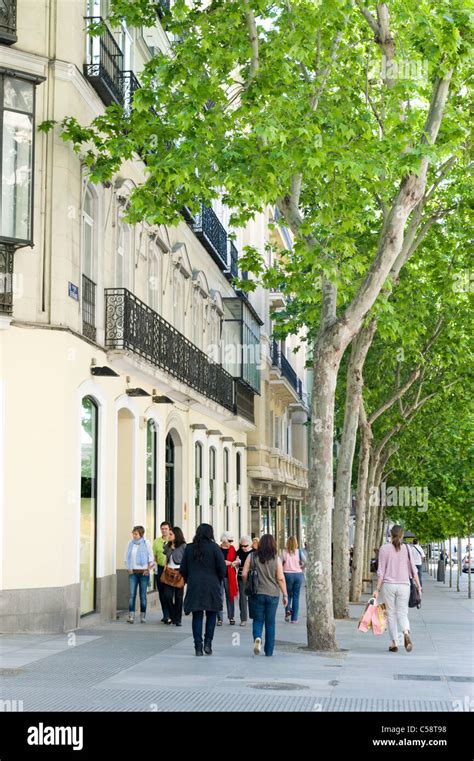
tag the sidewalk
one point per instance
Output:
(152, 667)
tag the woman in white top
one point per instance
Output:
(139, 561)
(293, 564)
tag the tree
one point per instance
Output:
(276, 102)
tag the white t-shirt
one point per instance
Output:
(417, 553)
(136, 565)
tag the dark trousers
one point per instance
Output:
(229, 602)
(419, 568)
(174, 602)
(161, 593)
(242, 600)
(198, 617)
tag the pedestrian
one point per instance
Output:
(160, 557)
(395, 568)
(293, 563)
(245, 547)
(255, 542)
(269, 583)
(203, 569)
(174, 552)
(139, 561)
(229, 587)
(418, 555)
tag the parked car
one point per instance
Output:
(465, 564)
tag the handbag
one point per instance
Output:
(415, 598)
(365, 622)
(251, 587)
(172, 577)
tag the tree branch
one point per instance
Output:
(253, 38)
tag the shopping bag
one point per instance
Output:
(379, 619)
(365, 622)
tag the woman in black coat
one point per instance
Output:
(204, 569)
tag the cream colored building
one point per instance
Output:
(127, 395)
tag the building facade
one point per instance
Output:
(131, 385)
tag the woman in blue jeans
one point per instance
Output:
(293, 564)
(265, 602)
(139, 561)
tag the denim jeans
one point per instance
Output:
(293, 587)
(419, 568)
(264, 608)
(136, 580)
(211, 618)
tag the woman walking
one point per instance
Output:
(204, 569)
(173, 596)
(395, 569)
(229, 591)
(293, 564)
(242, 554)
(139, 561)
(265, 602)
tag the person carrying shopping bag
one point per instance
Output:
(395, 569)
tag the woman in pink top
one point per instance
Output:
(395, 569)
(293, 564)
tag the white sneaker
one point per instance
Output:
(143, 618)
(131, 618)
(257, 646)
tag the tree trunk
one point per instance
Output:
(320, 619)
(343, 498)
(450, 565)
(458, 575)
(469, 581)
(371, 509)
(358, 556)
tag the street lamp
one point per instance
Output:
(17, 120)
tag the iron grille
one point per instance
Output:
(88, 308)
(133, 325)
(8, 22)
(212, 234)
(244, 401)
(105, 70)
(6, 279)
(162, 7)
(288, 372)
(275, 354)
(129, 84)
(233, 258)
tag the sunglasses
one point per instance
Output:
(245, 545)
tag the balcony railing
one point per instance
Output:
(162, 7)
(105, 68)
(88, 308)
(211, 232)
(233, 260)
(132, 325)
(8, 22)
(6, 279)
(129, 84)
(280, 361)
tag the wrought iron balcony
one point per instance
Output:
(211, 232)
(288, 372)
(162, 7)
(8, 22)
(6, 279)
(280, 361)
(275, 352)
(105, 68)
(88, 308)
(129, 84)
(131, 325)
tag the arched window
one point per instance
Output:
(198, 483)
(226, 489)
(151, 501)
(197, 319)
(123, 270)
(212, 484)
(169, 483)
(154, 277)
(178, 301)
(88, 549)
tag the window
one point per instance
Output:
(198, 483)
(178, 301)
(151, 502)
(197, 319)
(169, 481)
(154, 277)
(89, 263)
(123, 273)
(212, 484)
(238, 483)
(226, 490)
(241, 334)
(89, 424)
(16, 158)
